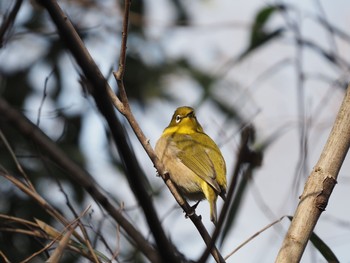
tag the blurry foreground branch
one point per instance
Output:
(318, 187)
(33, 133)
(8, 21)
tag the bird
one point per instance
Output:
(193, 160)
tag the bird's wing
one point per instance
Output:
(198, 154)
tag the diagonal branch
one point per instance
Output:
(318, 187)
(99, 84)
(99, 87)
(119, 75)
(82, 177)
(123, 106)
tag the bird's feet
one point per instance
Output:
(192, 210)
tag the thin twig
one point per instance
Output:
(85, 234)
(97, 231)
(43, 98)
(18, 220)
(123, 103)
(18, 165)
(22, 231)
(253, 236)
(119, 75)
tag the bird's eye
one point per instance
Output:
(178, 118)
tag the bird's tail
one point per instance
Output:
(213, 213)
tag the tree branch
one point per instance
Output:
(119, 75)
(123, 106)
(99, 87)
(99, 84)
(318, 187)
(82, 177)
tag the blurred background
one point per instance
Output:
(280, 66)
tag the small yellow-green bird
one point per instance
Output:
(193, 160)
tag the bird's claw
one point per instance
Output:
(192, 210)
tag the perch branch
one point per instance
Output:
(123, 107)
(99, 86)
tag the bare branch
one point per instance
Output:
(123, 106)
(318, 187)
(99, 86)
(119, 75)
(253, 236)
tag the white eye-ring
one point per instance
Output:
(178, 118)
